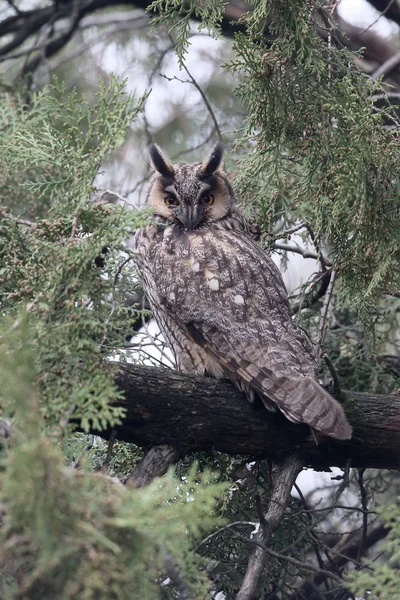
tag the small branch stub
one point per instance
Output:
(154, 464)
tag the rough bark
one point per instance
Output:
(154, 464)
(164, 407)
(284, 475)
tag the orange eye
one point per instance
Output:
(207, 199)
(171, 201)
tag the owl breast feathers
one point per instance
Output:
(220, 300)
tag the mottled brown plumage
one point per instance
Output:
(220, 300)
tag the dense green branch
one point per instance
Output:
(164, 407)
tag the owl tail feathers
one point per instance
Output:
(303, 400)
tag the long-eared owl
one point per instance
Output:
(220, 300)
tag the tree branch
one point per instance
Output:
(25, 24)
(289, 559)
(154, 464)
(323, 323)
(389, 8)
(284, 474)
(299, 250)
(386, 67)
(348, 551)
(192, 413)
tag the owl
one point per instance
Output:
(220, 300)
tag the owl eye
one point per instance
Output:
(207, 199)
(171, 201)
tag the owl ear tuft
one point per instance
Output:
(213, 161)
(160, 162)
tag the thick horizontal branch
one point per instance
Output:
(191, 413)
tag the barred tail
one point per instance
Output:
(300, 399)
(303, 400)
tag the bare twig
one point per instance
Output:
(334, 507)
(55, 63)
(14, 7)
(364, 504)
(157, 341)
(204, 97)
(308, 298)
(114, 299)
(108, 196)
(197, 147)
(17, 220)
(288, 559)
(206, 102)
(222, 529)
(304, 225)
(334, 373)
(313, 534)
(317, 245)
(75, 221)
(324, 314)
(345, 481)
(26, 51)
(298, 250)
(283, 234)
(382, 14)
(315, 523)
(53, 45)
(349, 549)
(388, 95)
(135, 19)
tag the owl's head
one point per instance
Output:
(190, 196)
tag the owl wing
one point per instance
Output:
(229, 297)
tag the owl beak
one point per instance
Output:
(190, 216)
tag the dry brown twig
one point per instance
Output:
(193, 81)
(298, 250)
(364, 504)
(6, 215)
(382, 14)
(289, 559)
(324, 317)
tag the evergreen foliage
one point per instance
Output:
(80, 534)
(177, 15)
(317, 150)
(67, 532)
(51, 152)
(322, 153)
